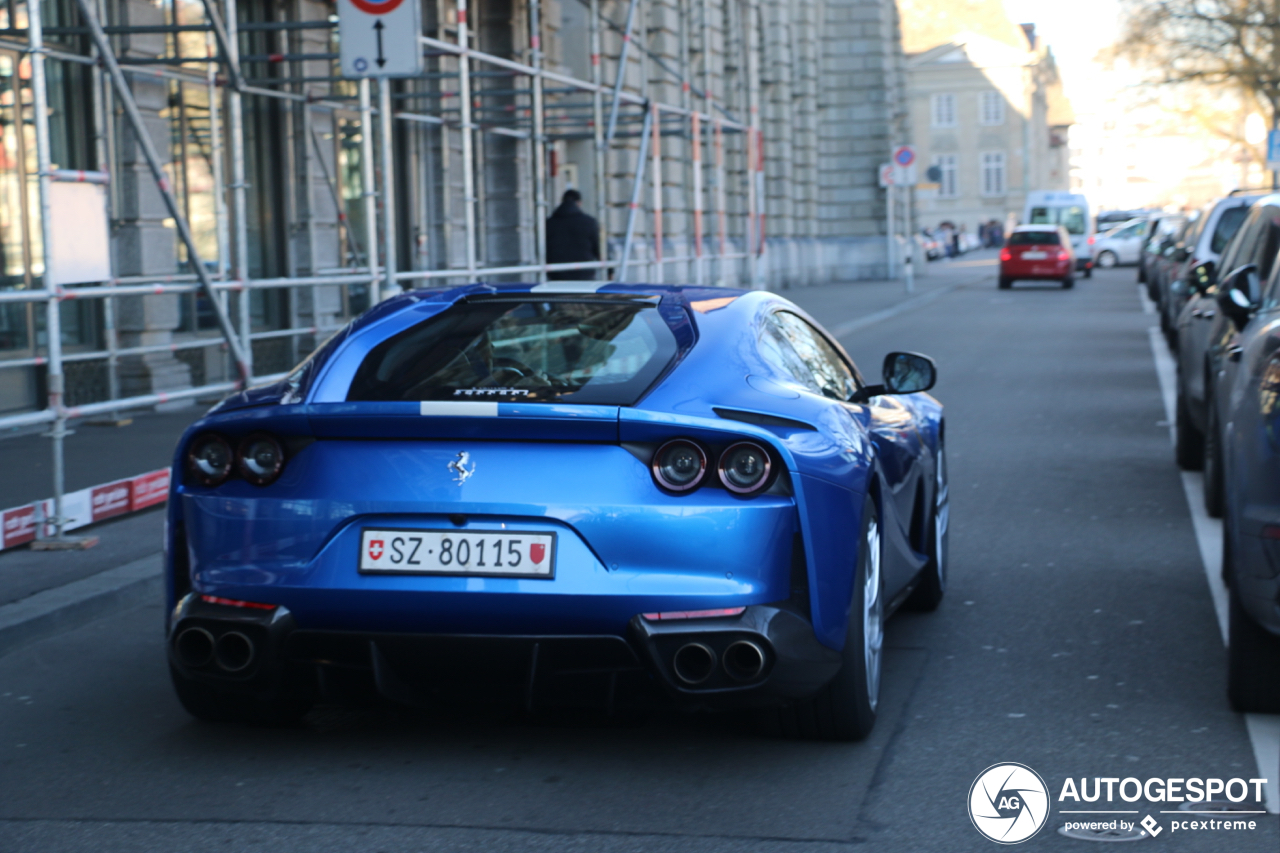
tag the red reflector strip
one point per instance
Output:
(231, 602)
(1271, 531)
(695, 614)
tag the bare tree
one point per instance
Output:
(1217, 43)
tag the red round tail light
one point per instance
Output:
(679, 465)
(209, 460)
(260, 459)
(745, 468)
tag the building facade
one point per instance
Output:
(742, 151)
(988, 112)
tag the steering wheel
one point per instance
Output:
(506, 366)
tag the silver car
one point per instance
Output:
(1121, 245)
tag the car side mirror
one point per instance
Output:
(1204, 276)
(1233, 297)
(904, 373)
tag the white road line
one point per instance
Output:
(906, 305)
(1264, 729)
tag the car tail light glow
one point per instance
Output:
(1006, 255)
(744, 468)
(719, 612)
(232, 602)
(1092, 238)
(260, 459)
(209, 460)
(679, 465)
(1064, 255)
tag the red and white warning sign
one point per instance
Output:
(85, 506)
(379, 39)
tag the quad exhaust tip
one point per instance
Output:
(234, 651)
(194, 647)
(693, 663)
(744, 660)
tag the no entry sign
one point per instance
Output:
(379, 39)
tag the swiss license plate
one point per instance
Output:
(492, 553)
(1034, 256)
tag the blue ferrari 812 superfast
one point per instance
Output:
(560, 494)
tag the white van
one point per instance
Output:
(1069, 210)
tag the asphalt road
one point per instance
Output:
(1078, 638)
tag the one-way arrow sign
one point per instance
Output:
(382, 59)
(379, 38)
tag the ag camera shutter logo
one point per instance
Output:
(1008, 803)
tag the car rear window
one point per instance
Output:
(1228, 225)
(1033, 238)
(521, 349)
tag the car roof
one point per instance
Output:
(1043, 227)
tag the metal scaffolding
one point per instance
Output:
(465, 94)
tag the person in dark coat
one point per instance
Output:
(573, 236)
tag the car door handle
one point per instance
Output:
(1234, 352)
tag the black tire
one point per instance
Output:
(1088, 272)
(1253, 662)
(1142, 276)
(1188, 446)
(845, 709)
(1107, 260)
(1068, 283)
(1005, 283)
(1212, 464)
(205, 702)
(933, 577)
(1153, 291)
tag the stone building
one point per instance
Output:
(274, 178)
(988, 111)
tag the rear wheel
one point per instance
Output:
(1005, 283)
(933, 578)
(1253, 662)
(1068, 282)
(1188, 445)
(1107, 260)
(204, 702)
(845, 709)
(1212, 464)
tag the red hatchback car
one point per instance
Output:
(1039, 253)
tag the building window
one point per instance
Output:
(991, 108)
(993, 180)
(946, 164)
(944, 110)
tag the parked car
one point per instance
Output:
(1250, 403)
(929, 245)
(1207, 339)
(1158, 236)
(1037, 253)
(1114, 218)
(548, 494)
(1121, 245)
(1217, 224)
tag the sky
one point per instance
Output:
(1076, 31)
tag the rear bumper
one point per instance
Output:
(598, 670)
(1028, 271)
